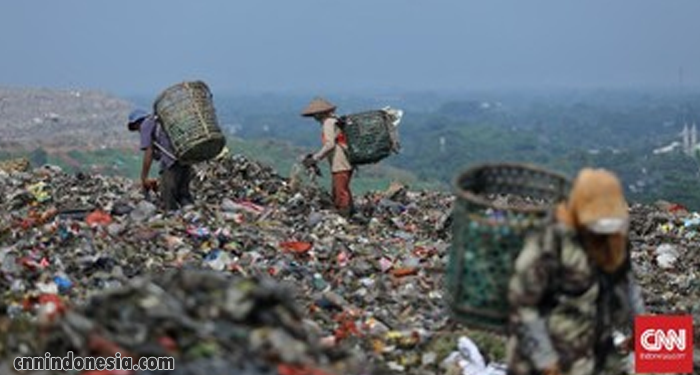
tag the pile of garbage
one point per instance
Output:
(666, 258)
(67, 240)
(89, 262)
(208, 322)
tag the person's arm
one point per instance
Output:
(146, 165)
(146, 130)
(628, 293)
(527, 290)
(634, 294)
(329, 139)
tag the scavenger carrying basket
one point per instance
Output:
(186, 111)
(371, 136)
(496, 204)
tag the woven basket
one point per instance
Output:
(368, 135)
(187, 113)
(496, 204)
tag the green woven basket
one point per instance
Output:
(368, 135)
(496, 204)
(187, 113)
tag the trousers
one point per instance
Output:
(175, 186)
(342, 196)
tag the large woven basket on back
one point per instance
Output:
(187, 113)
(495, 206)
(369, 136)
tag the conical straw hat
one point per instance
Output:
(318, 105)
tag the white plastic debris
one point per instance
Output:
(470, 360)
(666, 256)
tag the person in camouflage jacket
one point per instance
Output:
(573, 285)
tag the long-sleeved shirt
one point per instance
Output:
(557, 316)
(334, 147)
(152, 132)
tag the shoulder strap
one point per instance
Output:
(551, 246)
(552, 239)
(158, 145)
(339, 121)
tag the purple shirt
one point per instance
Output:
(151, 131)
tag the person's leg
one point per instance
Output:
(335, 189)
(341, 192)
(184, 195)
(351, 201)
(168, 189)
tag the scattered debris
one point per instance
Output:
(261, 269)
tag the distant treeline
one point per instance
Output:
(564, 131)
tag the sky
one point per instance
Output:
(139, 47)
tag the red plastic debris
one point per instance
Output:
(168, 343)
(346, 326)
(296, 246)
(28, 263)
(106, 348)
(53, 302)
(424, 252)
(401, 272)
(26, 224)
(342, 259)
(677, 207)
(98, 218)
(287, 369)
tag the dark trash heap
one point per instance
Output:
(260, 277)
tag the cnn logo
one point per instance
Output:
(655, 340)
(663, 344)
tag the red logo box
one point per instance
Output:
(663, 344)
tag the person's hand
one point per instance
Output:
(149, 184)
(552, 370)
(309, 161)
(627, 346)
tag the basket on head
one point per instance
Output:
(496, 204)
(186, 111)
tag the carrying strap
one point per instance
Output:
(340, 138)
(551, 243)
(551, 246)
(155, 142)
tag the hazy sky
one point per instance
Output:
(142, 46)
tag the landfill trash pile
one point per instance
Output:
(39, 117)
(208, 322)
(665, 238)
(74, 249)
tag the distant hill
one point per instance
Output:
(635, 134)
(85, 131)
(61, 119)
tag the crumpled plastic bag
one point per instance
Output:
(395, 115)
(666, 255)
(470, 360)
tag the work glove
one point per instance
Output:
(150, 184)
(309, 161)
(628, 345)
(311, 165)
